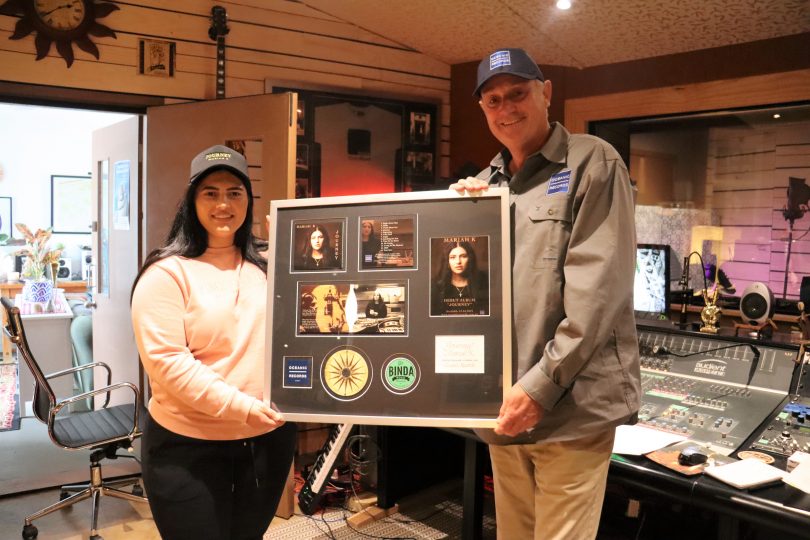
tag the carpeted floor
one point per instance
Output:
(417, 521)
(9, 398)
(432, 514)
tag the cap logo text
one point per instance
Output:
(499, 59)
(215, 156)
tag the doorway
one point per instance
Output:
(45, 182)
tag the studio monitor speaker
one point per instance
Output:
(64, 269)
(757, 304)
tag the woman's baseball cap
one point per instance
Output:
(218, 157)
(510, 61)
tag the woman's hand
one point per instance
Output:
(265, 252)
(471, 185)
(262, 416)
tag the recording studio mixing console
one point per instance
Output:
(788, 431)
(715, 391)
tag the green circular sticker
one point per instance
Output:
(400, 373)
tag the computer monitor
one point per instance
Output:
(651, 283)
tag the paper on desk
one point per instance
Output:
(637, 440)
(799, 477)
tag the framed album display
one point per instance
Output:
(390, 309)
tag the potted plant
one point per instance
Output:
(36, 270)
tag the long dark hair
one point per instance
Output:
(188, 238)
(326, 247)
(471, 272)
(372, 234)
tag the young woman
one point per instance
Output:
(371, 242)
(318, 252)
(215, 454)
(460, 288)
(377, 309)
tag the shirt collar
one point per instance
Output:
(555, 150)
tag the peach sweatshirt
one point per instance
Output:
(200, 328)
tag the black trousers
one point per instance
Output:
(217, 490)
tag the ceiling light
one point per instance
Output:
(777, 115)
(563, 4)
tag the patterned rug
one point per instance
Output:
(9, 398)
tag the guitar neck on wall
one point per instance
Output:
(219, 29)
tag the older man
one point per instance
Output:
(576, 353)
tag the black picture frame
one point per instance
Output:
(6, 217)
(360, 345)
(420, 128)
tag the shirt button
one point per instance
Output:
(551, 211)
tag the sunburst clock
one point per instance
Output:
(61, 21)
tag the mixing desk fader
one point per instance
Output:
(712, 390)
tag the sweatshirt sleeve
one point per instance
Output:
(158, 313)
(598, 276)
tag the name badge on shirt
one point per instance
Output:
(297, 372)
(559, 183)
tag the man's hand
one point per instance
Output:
(471, 185)
(519, 412)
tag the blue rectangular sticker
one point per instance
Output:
(297, 372)
(558, 183)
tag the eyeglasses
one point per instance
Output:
(515, 95)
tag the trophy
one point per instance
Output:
(710, 315)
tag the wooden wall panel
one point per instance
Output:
(269, 40)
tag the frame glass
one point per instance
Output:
(71, 204)
(362, 342)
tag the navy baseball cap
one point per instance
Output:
(219, 157)
(515, 62)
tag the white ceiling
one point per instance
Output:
(591, 33)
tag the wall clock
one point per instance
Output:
(61, 21)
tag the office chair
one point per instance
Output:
(103, 431)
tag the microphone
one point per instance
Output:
(684, 281)
(754, 364)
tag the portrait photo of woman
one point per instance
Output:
(459, 286)
(318, 246)
(371, 242)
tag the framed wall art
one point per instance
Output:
(390, 309)
(6, 217)
(156, 57)
(70, 204)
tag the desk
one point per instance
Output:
(780, 507)
(10, 289)
(48, 336)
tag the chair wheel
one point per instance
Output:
(29, 532)
(137, 490)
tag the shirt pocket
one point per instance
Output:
(551, 220)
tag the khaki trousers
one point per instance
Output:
(551, 491)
